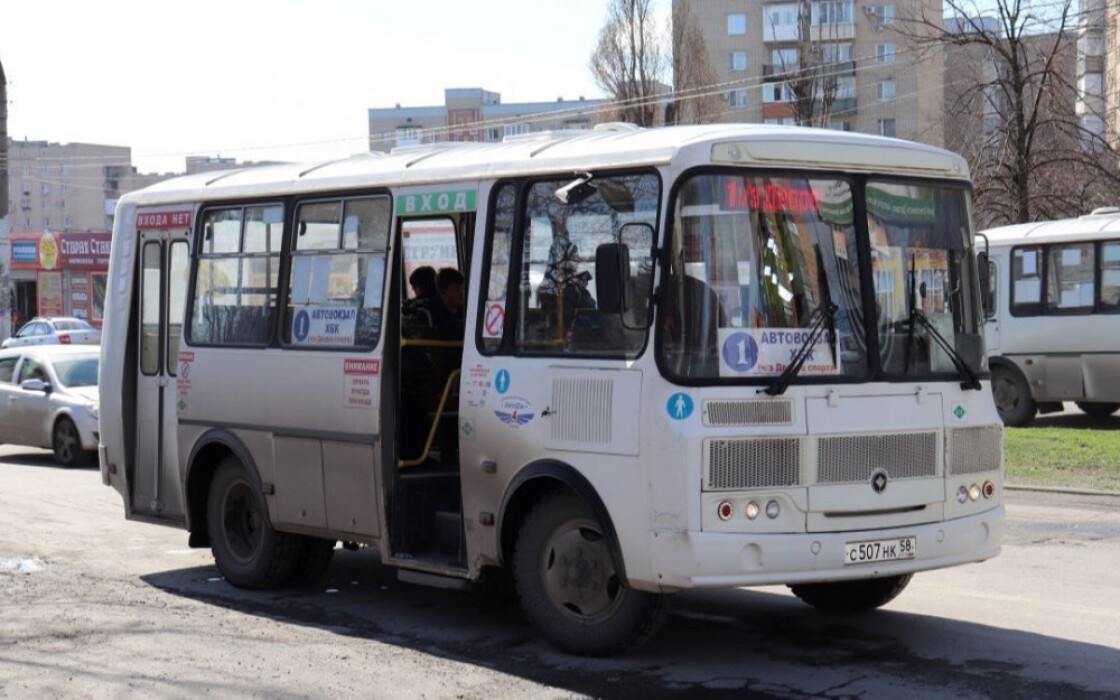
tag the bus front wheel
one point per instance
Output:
(851, 596)
(570, 587)
(248, 552)
(1013, 399)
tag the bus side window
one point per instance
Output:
(1110, 276)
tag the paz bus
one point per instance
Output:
(775, 373)
(1054, 285)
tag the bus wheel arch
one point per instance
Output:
(1012, 393)
(564, 555)
(206, 456)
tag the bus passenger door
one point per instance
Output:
(155, 484)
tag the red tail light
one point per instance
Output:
(64, 339)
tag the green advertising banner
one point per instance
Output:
(900, 209)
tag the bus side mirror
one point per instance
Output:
(612, 276)
(984, 270)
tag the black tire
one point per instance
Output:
(569, 585)
(66, 442)
(1013, 397)
(313, 560)
(248, 552)
(851, 596)
(1098, 410)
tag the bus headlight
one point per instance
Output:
(962, 495)
(973, 492)
(752, 510)
(989, 489)
(725, 510)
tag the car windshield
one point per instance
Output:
(77, 371)
(72, 326)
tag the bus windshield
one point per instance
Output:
(764, 268)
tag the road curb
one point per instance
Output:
(1068, 492)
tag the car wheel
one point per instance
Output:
(1013, 397)
(67, 444)
(570, 586)
(851, 596)
(248, 552)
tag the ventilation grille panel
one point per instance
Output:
(973, 450)
(852, 459)
(753, 463)
(723, 413)
(582, 410)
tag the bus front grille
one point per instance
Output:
(973, 450)
(763, 412)
(753, 463)
(854, 458)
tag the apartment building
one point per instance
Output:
(61, 198)
(474, 114)
(883, 84)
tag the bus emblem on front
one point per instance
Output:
(879, 481)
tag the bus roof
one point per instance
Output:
(1101, 224)
(606, 146)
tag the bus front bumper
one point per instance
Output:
(718, 560)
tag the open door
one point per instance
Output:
(164, 263)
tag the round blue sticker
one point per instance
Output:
(301, 325)
(740, 352)
(679, 406)
(501, 381)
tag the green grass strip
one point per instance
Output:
(1063, 457)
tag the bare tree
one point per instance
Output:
(1013, 113)
(814, 79)
(695, 99)
(629, 60)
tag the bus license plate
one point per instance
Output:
(880, 550)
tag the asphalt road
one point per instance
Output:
(94, 606)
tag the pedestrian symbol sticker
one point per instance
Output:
(501, 381)
(680, 406)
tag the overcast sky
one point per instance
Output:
(273, 79)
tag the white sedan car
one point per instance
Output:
(54, 330)
(48, 398)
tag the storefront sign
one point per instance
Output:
(84, 251)
(25, 252)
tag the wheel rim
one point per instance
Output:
(241, 520)
(65, 441)
(1006, 393)
(579, 573)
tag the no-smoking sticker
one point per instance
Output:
(494, 320)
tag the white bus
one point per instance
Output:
(1053, 288)
(772, 371)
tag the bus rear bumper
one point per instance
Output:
(717, 560)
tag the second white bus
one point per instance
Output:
(1052, 332)
(689, 357)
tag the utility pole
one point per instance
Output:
(5, 220)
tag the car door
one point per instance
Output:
(8, 390)
(29, 407)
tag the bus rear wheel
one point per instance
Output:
(1098, 410)
(570, 586)
(1013, 399)
(248, 552)
(851, 596)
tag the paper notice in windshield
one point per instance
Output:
(762, 352)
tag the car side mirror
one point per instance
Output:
(35, 385)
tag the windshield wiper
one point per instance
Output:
(825, 320)
(972, 379)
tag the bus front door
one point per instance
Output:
(155, 490)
